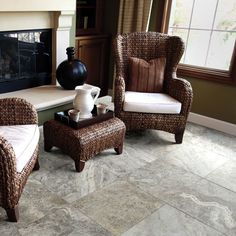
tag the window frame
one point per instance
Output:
(222, 76)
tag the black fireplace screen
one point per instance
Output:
(25, 59)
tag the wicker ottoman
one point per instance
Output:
(84, 143)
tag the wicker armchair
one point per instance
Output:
(16, 112)
(148, 46)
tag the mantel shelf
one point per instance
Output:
(50, 96)
(44, 97)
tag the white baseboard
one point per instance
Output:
(212, 123)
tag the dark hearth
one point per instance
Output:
(25, 59)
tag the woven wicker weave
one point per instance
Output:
(14, 111)
(151, 45)
(84, 143)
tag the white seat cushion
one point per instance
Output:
(24, 139)
(151, 103)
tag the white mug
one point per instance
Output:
(74, 114)
(101, 108)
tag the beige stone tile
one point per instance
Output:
(162, 179)
(209, 203)
(225, 175)
(64, 221)
(131, 159)
(195, 160)
(7, 228)
(36, 202)
(169, 221)
(71, 185)
(118, 206)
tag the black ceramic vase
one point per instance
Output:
(72, 72)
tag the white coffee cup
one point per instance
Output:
(74, 114)
(101, 108)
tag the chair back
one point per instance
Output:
(147, 46)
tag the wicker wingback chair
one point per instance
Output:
(148, 46)
(15, 112)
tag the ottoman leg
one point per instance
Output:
(79, 165)
(119, 149)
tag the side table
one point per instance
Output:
(84, 143)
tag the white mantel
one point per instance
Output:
(41, 14)
(37, 5)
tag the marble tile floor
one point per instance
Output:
(155, 188)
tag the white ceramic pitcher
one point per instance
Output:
(85, 98)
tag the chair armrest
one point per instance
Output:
(181, 90)
(17, 111)
(119, 94)
(8, 183)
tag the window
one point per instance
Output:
(208, 29)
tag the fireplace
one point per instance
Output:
(32, 17)
(25, 59)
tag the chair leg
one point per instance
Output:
(179, 137)
(36, 166)
(13, 214)
(119, 149)
(79, 165)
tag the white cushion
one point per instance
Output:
(151, 103)
(24, 139)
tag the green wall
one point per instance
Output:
(213, 99)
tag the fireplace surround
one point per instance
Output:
(41, 15)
